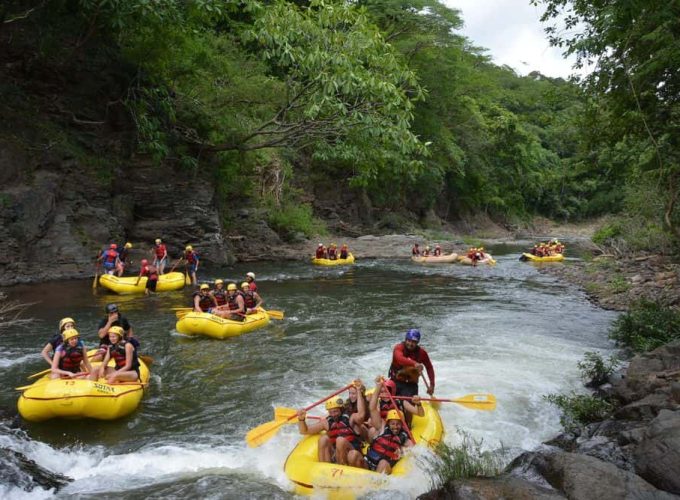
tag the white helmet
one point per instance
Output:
(251, 275)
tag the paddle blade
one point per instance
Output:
(275, 314)
(263, 433)
(181, 314)
(484, 402)
(39, 374)
(148, 360)
(282, 413)
(187, 279)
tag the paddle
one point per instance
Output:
(22, 388)
(484, 402)
(273, 313)
(187, 279)
(282, 413)
(96, 275)
(264, 432)
(175, 264)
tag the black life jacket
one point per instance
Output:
(204, 302)
(72, 358)
(220, 296)
(340, 428)
(387, 446)
(249, 299)
(232, 301)
(344, 254)
(117, 352)
(414, 355)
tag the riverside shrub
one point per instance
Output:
(580, 409)
(595, 369)
(646, 326)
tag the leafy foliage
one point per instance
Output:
(595, 370)
(580, 409)
(646, 326)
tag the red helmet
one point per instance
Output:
(144, 262)
(391, 386)
(113, 246)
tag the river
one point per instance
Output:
(507, 330)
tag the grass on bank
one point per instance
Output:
(466, 460)
(646, 326)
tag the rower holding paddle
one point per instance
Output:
(57, 339)
(408, 362)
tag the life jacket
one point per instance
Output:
(220, 296)
(340, 428)
(204, 302)
(415, 251)
(344, 254)
(151, 272)
(386, 405)
(190, 257)
(332, 254)
(232, 301)
(437, 252)
(321, 253)
(72, 357)
(387, 446)
(414, 355)
(160, 251)
(249, 299)
(117, 353)
(123, 254)
(110, 258)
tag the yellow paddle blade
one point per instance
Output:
(187, 279)
(36, 375)
(263, 433)
(181, 314)
(282, 413)
(275, 314)
(484, 402)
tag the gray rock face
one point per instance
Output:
(503, 487)
(657, 458)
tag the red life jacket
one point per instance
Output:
(320, 253)
(415, 251)
(190, 257)
(414, 355)
(387, 446)
(204, 302)
(220, 297)
(340, 428)
(332, 253)
(249, 299)
(151, 272)
(117, 353)
(72, 358)
(437, 252)
(160, 251)
(386, 405)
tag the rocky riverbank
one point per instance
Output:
(635, 453)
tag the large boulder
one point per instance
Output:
(503, 487)
(657, 457)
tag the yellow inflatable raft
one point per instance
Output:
(439, 259)
(331, 480)
(467, 261)
(207, 324)
(79, 398)
(535, 258)
(125, 285)
(336, 262)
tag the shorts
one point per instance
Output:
(151, 285)
(372, 460)
(191, 268)
(406, 388)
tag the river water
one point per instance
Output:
(507, 330)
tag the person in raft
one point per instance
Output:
(342, 431)
(160, 253)
(415, 251)
(191, 258)
(344, 251)
(408, 362)
(124, 355)
(320, 251)
(219, 293)
(385, 402)
(203, 300)
(250, 278)
(151, 273)
(113, 318)
(109, 259)
(235, 308)
(437, 250)
(57, 339)
(387, 441)
(333, 252)
(123, 259)
(70, 357)
(251, 300)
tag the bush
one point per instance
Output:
(580, 409)
(595, 370)
(646, 326)
(290, 218)
(466, 460)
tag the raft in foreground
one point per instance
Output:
(432, 259)
(535, 258)
(336, 262)
(195, 323)
(79, 398)
(313, 477)
(127, 285)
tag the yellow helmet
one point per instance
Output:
(65, 321)
(231, 286)
(245, 284)
(69, 334)
(334, 403)
(204, 286)
(188, 248)
(158, 241)
(393, 415)
(219, 282)
(128, 245)
(117, 330)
